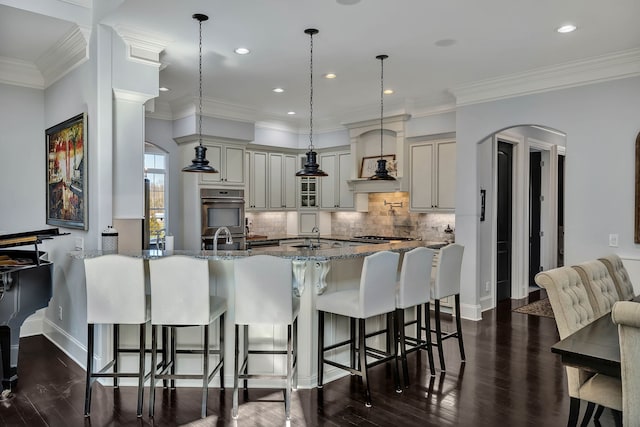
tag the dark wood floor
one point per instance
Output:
(510, 379)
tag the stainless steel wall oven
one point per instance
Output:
(222, 208)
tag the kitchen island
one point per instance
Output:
(315, 271)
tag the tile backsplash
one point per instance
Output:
(390, 219)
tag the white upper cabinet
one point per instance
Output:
(334, 189)
(432, 175)
(282, 181)
(256, 189)
(228, 160)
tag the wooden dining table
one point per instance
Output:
(595, 347)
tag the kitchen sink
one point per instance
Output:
(311, 246)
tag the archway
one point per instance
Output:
(520, 229)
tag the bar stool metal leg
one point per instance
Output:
(429, 344)
(321, 348)
(205, 371)
(236, 354)
(141, 376)
(439, 335)
(362, 352)
(154, 367)
(116, 352)
(89, 381)
(459, 328)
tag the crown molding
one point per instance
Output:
(161, 110)
(16, 72)
(143, 48)
(130, 96)
(70, 51)
(570, 74)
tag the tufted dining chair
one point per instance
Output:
(619, 275)
(600, 288)
(572, 310)
(626, 315)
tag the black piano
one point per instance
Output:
(25, 286)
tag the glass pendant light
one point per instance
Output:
(381, 172)
(311, 166)
(200, 163)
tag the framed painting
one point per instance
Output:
(67, 173)
(636, 238)
(370, 164)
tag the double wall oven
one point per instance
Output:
(222, 208)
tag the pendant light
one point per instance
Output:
(311, 167)
(381, 172)
(200, 163)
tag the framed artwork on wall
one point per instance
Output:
(67, 173)
(370, 164)
(637, 204)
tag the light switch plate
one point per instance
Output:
(613, 240)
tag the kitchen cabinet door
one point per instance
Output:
(228, 160)
(421, 185)
(334, 190)
(257, 188)
(446, 179)
(282, 191)
(432, 176)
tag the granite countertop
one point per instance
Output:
(303, 254)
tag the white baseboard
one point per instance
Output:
(33, 324)
(65, 342)
(471, 311)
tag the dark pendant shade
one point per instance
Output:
(382, 172)
(311, 166)
(200, 163)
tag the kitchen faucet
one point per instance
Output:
(215, 237)
(316, 230)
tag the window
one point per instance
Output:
(155, 166)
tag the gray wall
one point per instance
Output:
(601, 123)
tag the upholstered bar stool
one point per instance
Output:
(375, 296)
(414, 290)
(264, 296)
(115, 296)
(447, 283)
(180, 297)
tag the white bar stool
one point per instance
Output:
(414, 289)
(180, 297)
(264, 295)
(447, 283)
(375, 296)
(115, 295)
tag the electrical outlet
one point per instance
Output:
(487, 286)
(59, 312)
(613, 240)
(79, 244)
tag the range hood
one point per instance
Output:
(364, 185)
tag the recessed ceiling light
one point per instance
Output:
(291, 113)
(278, 90)
(164, 89)
(387, 91)
(347, 2)
(242, 51)
(567, 28)
(330, 76)
(445, 42)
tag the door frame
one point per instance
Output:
(520, 210)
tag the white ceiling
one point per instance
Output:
(493, 38)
